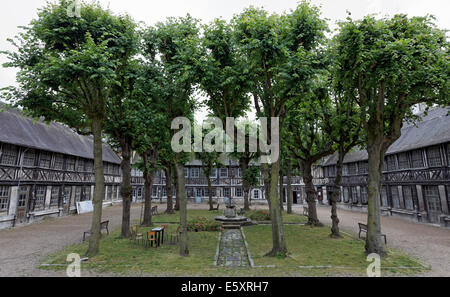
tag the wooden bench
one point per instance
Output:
(155, 211)
(103, 226)
(305, 211)
(217, 208)
(363, 228)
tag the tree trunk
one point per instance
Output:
(335, 195)
(311, 195)
(266, 177)
(169, 184)
(281, 191)
(181, 186)
(245, 184)
(211, 205)
(126, 190)
(177, 201)
(279, 243)
(99, 193)
(376, 159)
(290, 197)
(148, 185)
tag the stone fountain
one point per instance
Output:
(230, 219)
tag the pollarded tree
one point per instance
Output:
(308, 136)
(176, 44)
(391, 64)
(67, 69)
(272, 45)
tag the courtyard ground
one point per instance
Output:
(23, 248)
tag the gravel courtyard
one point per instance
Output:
(22, 248)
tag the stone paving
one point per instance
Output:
(233, 252)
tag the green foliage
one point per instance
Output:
(259, 215)
(200, 224)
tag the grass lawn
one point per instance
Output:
(307, 247)
(313, 247)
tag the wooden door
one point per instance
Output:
(66, 199)
(22, 204)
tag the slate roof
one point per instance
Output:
(17, 129)
(434, 129)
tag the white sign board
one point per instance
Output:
(85, 207)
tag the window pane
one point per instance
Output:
(391, 163)
(395, 197)
(9, 155)
(4, 198)
(409, 195)
(54, 201)
(29, 158)
(59, 162)
(45, 160)
(364, 197)
(40, 198)
(363, 167)
(403, 162)
(352, 169)
(434, 157)
(417, 159)
(384, 199)
(70, 164)
(346, 195)
(224, 172)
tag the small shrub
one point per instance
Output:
(259, 215)
(203, 224)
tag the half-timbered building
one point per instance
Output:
(416, 173)
(46, 169)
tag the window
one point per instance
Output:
(4, 198)
(45, 160)
(346, 195)
(39, 203)
(164, 192)
(199, 193)
(86, 196)
(115, 188)
(363, 167)
(109, 193)
(9, 155)
(364, 196)
(410, 197)
(67, 194)
(239, 173)
(352, 169)
(256, 194)
(227, 192)
(186, 173)
(355, 195)
(384, 197)
(239, 192)
(80, 165)
(223, 172)
(89, 166)
(214, 192)
(59, 162)
(70, 164)
(77, 194)
(391, 163)
(417, 159)
(395, 197)
(155, 192)
(434, 157)
(432, 197)
(403, 161)
(195, 172)
(29, 158)
(345, 170)
(214, 173)
(448, 154)
(54, 200)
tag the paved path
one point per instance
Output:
(428, 243)
(233, 252)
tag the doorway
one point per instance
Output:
(433, 203)
(22, 204)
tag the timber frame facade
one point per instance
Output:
(46, 169)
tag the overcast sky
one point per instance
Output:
(19, 12)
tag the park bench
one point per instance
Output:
(305, 211)
(363, 228)
(217, 208)
(155, 211)
(103, 226)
